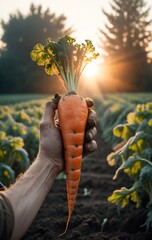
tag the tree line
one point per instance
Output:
(125, 43)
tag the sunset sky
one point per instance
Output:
(84, 15)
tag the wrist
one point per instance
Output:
(50, 163)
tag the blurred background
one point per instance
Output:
(121, 31)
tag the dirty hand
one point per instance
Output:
(50, 136)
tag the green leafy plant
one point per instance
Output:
(65, 58)
(22, 117)
(13, 158)
(134, 157)
(111, 111)
(19, 137)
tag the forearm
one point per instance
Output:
(29, 192)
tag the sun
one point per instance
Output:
(90, 70)
(89, 82)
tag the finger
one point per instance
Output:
(90, 134)
(49, 113)
(89, 102)
(92, 119)
(89, 147)
(57, 124)
(56, 100)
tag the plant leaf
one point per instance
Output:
(7, 174)
(19, 160)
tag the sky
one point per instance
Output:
(85, 16)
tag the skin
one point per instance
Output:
(31, 188)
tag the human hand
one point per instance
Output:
(50, 137)
(50, 146)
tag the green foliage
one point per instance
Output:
(111, 111)
(124, 131)
(148, 222)
(7, 174)
(31, 141)
(134, 156)
(65, 58)
(22, 117)
(9, 99)
(13, 158)
(19, 137)
(19, 160)
(122, 197)
(145, 179)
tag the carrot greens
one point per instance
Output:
(65, 58)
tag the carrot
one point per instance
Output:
(68, 59)
(72, 124)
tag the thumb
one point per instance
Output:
(49, 114)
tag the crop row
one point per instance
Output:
(19, 138)
(127, 126)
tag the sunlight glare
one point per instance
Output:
(90, 70)
(88, 85)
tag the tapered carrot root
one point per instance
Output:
(73, 112)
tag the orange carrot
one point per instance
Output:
(67, 60)
(73, 112)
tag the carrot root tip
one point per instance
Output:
(67, 224)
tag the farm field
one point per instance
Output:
(9, 99)
(94, 217)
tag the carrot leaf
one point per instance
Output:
(65, 58)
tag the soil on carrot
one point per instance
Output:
(93, 216)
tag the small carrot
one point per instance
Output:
(68, 59)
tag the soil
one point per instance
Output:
(93, 216)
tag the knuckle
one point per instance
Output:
(89, 102)
(48, 104)
(44, 125)
(94, 143)
(88, 136)
(90, 147)
(92, 120)
(91, 133)
(93, 114)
